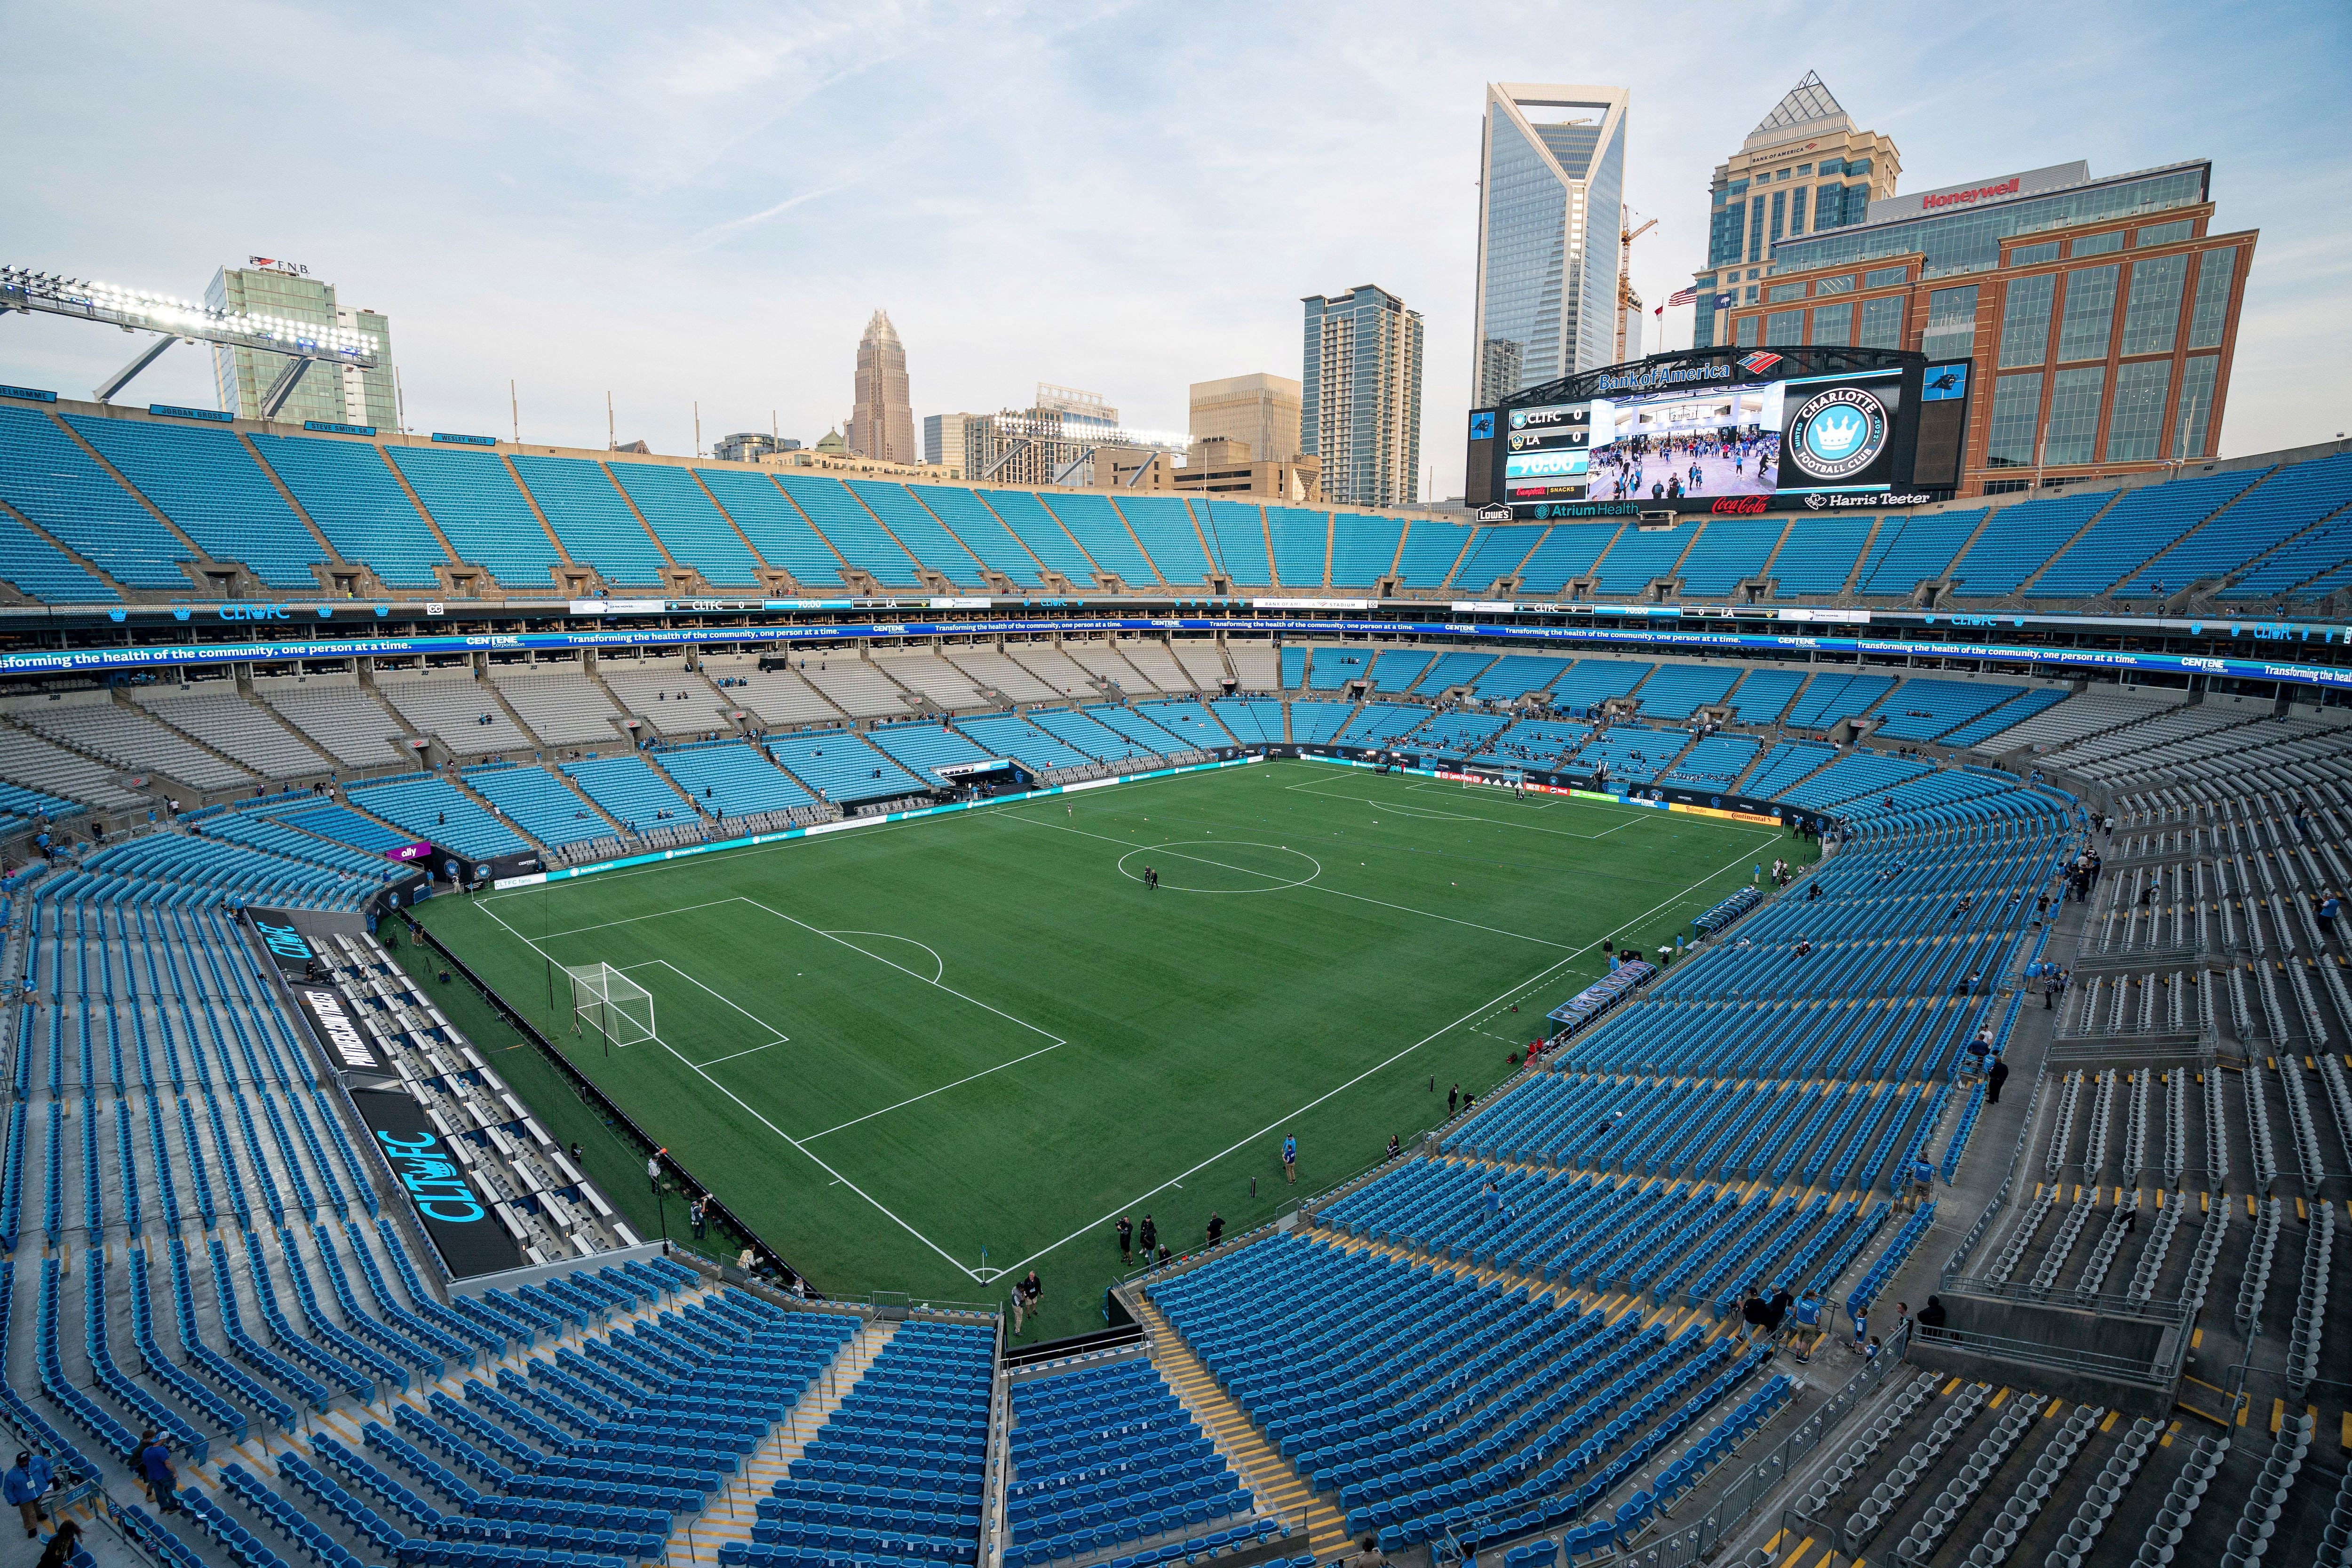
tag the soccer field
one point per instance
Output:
(928, 1056)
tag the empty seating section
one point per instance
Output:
(1254, 667)
(775, 696)
(1382, 724)
(433, 811)
(921, 670)
(1252, 720)
(629, 789)
(912, 525)
(1302, 541)
(1008, 735)
(777, 528)
(229, 723)
(2297, 515)
(1293, 668)
(466, 715)
(1396, 668)
(1165, 527)
(1458, 734)
(1909, 551)
(126, 738)
(1590, 682)
(1107, 734)
(336, 713)
(1639, 556)
(1106, 1456)
(1142, 730)
(2018, 539)
(1833, 698)
(45, 475)
(1567, 553)
(1494, 553)
(1728, 552)
(2141, 523)
(1783, 765)
(345, 825)
(34, 765)
(561, 705)
(596, 524)
(1235, 531)
(1157, 664)
(1764, 695)
(1078, 535)
(1926, 710)
(481, 512)
(985, 535)
(208, 482)
(850, 529)
(1514, 675)
(1188, 722)
(1819, 555)
(731, 778)
(1429, 552)
(2091, 713)
(901, 1465)
(855, 687)
(1314, 723)
(350, 492)
(841, 767)
(923, 749)
(1857, 774)
(1336, 665)
(994, 671)
(537, 802)
(2007, 716)
(673, 699)
(1450, 670)
(1715, 762)
(40, 571)
(1679, 691)
(1364, 548)
(694, 532)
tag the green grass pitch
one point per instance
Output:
(928, 1056)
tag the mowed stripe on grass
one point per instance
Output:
(981, 1031)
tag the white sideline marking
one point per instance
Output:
(781, 1038)
(928, 1092)
(893, 936)
(1428, 814)
(732, 1055)
(1527, 984)
(837, 1177)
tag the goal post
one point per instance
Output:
(616, 1008)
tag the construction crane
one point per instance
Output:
(1626, 299)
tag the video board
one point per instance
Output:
(1726, 437)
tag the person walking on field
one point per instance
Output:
(1150, 1236)
(1126, 1238)
(652, 1169)
(1290, 1161)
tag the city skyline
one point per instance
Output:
(722, 241)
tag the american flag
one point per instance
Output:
(1683, 296)
(1758, 363)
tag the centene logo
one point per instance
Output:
(2007, 187)
(437, 1186)
(1738, 506)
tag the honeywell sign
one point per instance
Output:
(1981, 193)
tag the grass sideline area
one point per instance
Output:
(930, 1056)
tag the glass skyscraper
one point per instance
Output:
(1551, 174)
(1359, 396)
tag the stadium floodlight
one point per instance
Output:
(303, 344)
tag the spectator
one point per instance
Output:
(1755, 1316)
(1931, 1317)
(1216, 1228)
(25, 1485)
(155, 1469)
(63, 1547)
(652, 1169)
(695, 1215)
(1290, 1160)
(1807, 1333)
(1126, 1238)
(1150, 1236)
(1994, 1080)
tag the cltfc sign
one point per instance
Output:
(1838, 433)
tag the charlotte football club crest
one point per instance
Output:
(1838, 433)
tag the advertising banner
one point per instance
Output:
(471, 1239)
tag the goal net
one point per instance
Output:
(609, 1003)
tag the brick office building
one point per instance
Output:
(2100, 316)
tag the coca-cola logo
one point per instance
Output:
(1738, 506)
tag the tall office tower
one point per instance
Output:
(882, 423)
(1359, 396)
(1803, 170)
(1259, 411)
(1551, 172)
(943, 438)
(333, 395)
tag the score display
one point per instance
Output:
(1814, 442)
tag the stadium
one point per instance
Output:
(1765, 988)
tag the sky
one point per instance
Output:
(702, 205)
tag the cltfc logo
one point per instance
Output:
(1838, 433)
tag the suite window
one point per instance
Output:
(1833, 324)
(1746, 331)
(2074, 416)
(1882, 323)
(1834, 285)
(2016, 407)
(2135, 428)
(1951, 322)
(1783, 292)
(2152, 309)
(1784, 327)
(1885, 277)
(2211, 311)
(2090, 313)
(2099, 244)
(2033, 255)
(2196, 412)
(2165, 233)
(2025, 319)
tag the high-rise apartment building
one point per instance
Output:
(1359, 395)
(1552, 174)
(330, 394)
(943, 438)
(1259, 411)
(882, 421)
(1803, 170)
